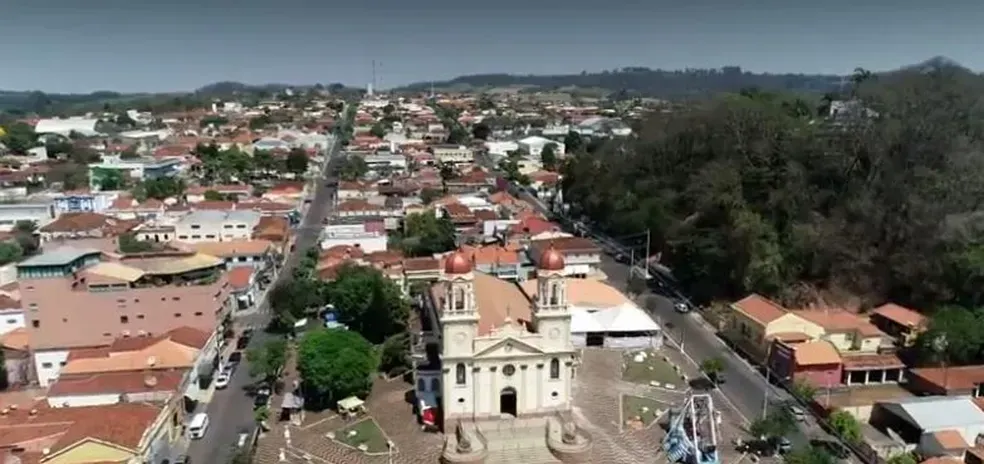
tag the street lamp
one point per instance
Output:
(389, 451)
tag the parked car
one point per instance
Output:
(765, 447)
(183, 459)
(235, 357)
(681, 307)
(797, 413)
(222, 380)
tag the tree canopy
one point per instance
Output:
(425, 234)
(334, 364)
(368, 302)
(752, 192)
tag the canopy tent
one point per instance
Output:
(622, 326)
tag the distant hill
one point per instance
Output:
(645, 82)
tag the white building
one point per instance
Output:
(369, 241)
(453, 154)
(216, 226)
(64, 127)
(501, 148)
(38, 213)
(503, 353)
(534, 145)
(395, 162)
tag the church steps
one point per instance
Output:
(521, 456)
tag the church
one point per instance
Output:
(495, 351)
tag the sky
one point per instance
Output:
(179, 45)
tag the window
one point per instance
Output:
(46, 365)
(124, 319)
(209, 236)
(140, 316)
(554, 368)
(240, 226)
(176, 298)
(36, 324)
(508, 370)
(199, 313)
(63, 363)
(459, 374)
(435, 385)
(11, 321)
(459, 299)
(196, 236)
(554, 294)
(227, 226)
(182, 237)
(177, 314)
(196, 226)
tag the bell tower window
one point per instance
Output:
(459, 374)
(459, 299)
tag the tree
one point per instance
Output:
(447, 172)
(130, 153)
(368, 302)
(261, 414)
(291, 299)
(334, 364)
(297, 161)
(548, 157)
(128, 243)
(573, 143)
(10, 251)
(845, 425)
(265, 362)
(109, 179)
(810, 455)
(777, 423)
(378, 130)
(425, 234)
(712, 367)
(161, 188)
(804, 391)
(19, 137)
(212, 195)
(25, 233)
(428, 195)
(352, 168)
(240, 455)
(745, 193)
(394, 355)
(902, 458)
(481, 131)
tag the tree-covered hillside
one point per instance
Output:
(649, 82)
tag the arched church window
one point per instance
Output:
(459, 374)
(435, 385)
(554, 294)
(554, 368)
(459, 298)
(421, 385)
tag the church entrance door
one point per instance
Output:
(507, 401)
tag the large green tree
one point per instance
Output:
(19, 137)
(368, 302)
(334, 364)
(750, 192)
(266, 361)
(297, 161)
(425, 234)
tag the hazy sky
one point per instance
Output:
(140, 45)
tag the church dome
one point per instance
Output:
(551, 260)
(457, 263)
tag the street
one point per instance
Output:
(745, 391)
(231, 410)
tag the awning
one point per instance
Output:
(625, 318)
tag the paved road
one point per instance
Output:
(231, 410)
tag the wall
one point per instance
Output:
(11, 320)
(54, 359)
(793, 323)
(75, 401)
(213, 231)
(820, 376)
(11, 214)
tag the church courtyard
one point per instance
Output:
(600, 395)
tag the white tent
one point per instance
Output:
(624, 326)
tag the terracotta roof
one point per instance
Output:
(759, 308)
(900, 315)
(839, 320)
(88, 222)
(18, 339)
(496, 300)
(421, 264)
(586, 293)
(128, 423)
(872, 361)
(951, 440)
(230, 248)
(816, 353)
(240, 276)
(491, 254)
(127, 382)
(956, 377)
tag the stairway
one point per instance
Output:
(517, 441)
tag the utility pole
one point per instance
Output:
(765, 390)
(648, 243)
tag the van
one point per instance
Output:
(198, 426)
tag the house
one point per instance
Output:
(581, 256)
(813, 362)
(255, 254)
(931, 426)
(756, 322)
(950, 381)
(238, 191)
(77, 202)
(534, 145)
(368, 236)
(453, 154)
(245, 287)
(16, 356)
(134, 169)
(499, 261)
(12, 213)
(11, 314)
(129, 432)
(65, 127)
(85, 225)
(209, 225)
(900, 322)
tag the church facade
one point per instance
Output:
(503, 353)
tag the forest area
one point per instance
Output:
(753, 192)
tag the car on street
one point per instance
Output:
(681, 307)
(797, 413)
(243, 438)
(182, 459)
(222, 380)
(235, 357)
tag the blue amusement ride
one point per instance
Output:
(692, 434)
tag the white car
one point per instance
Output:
(222, 380)
(681, 307)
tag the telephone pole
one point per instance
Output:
(648, 243)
